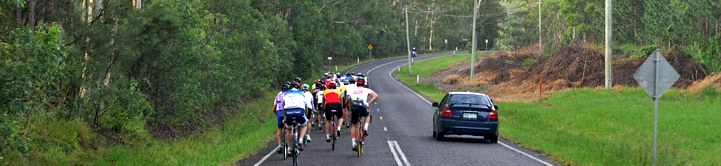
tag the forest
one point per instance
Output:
(120, 72)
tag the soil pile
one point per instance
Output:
(575, 66)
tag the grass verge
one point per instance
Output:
(606, 127)
(426, 68)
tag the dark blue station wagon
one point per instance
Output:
(466, 113)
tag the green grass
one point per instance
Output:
(610, 127)
(426, 69)
(243, 134)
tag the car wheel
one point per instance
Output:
(439, 136)
(492, 139)
(434, 134)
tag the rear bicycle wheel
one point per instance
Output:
(294, 152)
(359, 142)
(285, 144)
(334, 137)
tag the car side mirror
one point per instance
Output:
(495, 107)
(435, 104)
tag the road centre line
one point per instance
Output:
(393, 145)
(385, 129)
(503, 144)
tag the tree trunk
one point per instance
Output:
(31, 14)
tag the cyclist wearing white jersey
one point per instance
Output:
(360, 104)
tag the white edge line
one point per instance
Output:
(385, 129)
(266, 157)
(526, 154)
(395, 155)
(398, 147)
(505, 145)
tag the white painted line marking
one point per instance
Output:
(381, 118)
(503, 144)
(385, 129)
(526, 154)
(266, 157)
(379, 110)
(395, 155)
(403, 156)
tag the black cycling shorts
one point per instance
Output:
(329, 113)
(295, 115)
(357, 112)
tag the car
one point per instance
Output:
(466, 113)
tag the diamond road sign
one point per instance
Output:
(656, 75)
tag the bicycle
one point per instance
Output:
(359, 142)
(294, 151)
(333, 130)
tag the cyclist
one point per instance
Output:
(308, 111)
(332, 102)
(278, 109)
(294, 106)
(360, 107)
(320, 87)
(346, 110)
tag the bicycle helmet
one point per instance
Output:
(360, 81)
(331, 85)
(286, 86)
(305, 87)
(351, 81)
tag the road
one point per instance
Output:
(400, 133)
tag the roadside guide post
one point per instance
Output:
(655, 75)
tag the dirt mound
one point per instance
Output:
(575, 66)
(689, 70)
(710, 81)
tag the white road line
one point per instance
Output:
(381, 118)
(424, 99)
(395, 155)
(403, 156)
(385, 129)
(503, 144)
(266, 157)
(526, 154)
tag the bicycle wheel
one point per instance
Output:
(294, 152)
(285, 144)
(359, 142)
(333, 132)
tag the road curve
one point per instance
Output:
(400, 133)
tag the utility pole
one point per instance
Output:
(540, 42)
(608, 53)
(408, 42)
(476, 4)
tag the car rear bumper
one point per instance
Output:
(451, 127)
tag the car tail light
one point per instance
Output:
(447, 112)
(493, 115)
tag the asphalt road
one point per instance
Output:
(400, 133)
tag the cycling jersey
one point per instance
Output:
(359, 93)
(294, 105)
(308, 99)
(279, 109)
(332, 96)
(294, 98)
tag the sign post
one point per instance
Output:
(370, 49)
(655, 75)
(329, 59)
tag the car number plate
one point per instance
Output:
(470, 115)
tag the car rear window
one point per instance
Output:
(469, 99)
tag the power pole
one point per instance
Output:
(608, 53)
(408, 42)
(540, 42)
(476, 4)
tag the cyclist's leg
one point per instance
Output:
(354, 118)
(279, 120)
(328, 118)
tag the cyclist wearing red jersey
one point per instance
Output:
(331, 100)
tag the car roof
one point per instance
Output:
(468, 93)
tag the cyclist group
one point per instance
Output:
(343, 97)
